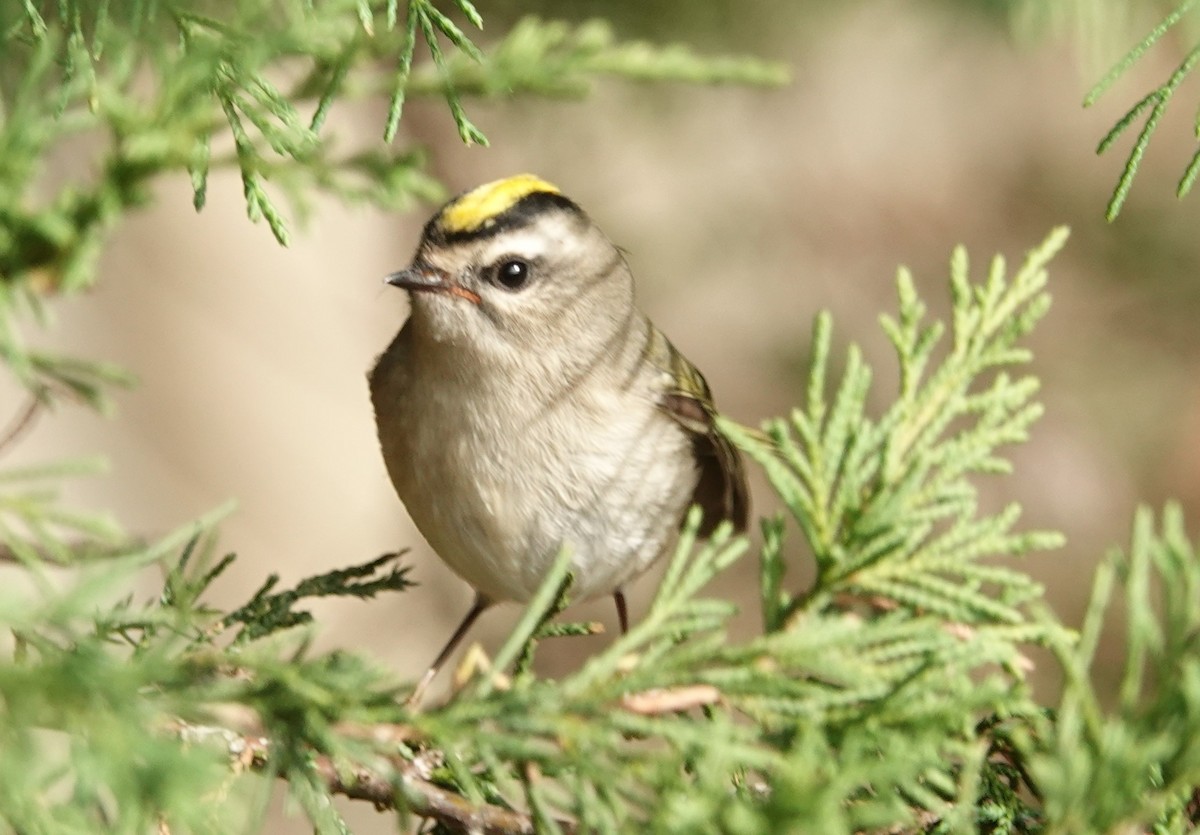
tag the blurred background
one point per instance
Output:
(907, 129)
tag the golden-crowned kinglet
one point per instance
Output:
(527, 405)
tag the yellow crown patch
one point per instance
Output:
(483, 204)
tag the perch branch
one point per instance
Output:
(399, 778)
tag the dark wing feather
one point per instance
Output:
(721, 490)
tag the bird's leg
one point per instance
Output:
(477, 608)
(622, 611)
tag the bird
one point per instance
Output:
(527, 405)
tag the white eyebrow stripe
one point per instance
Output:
(549, 233)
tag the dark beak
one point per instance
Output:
(418, 278)
(430, 280)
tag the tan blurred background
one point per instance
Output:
(907, 129)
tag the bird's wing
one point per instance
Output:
(721, 490)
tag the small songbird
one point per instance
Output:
(527, 405)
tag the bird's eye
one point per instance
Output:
(511, 273)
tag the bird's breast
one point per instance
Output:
(498, 485)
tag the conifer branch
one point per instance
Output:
(1153, 105)
(392, 784)
(887, 507)
(1140, 761)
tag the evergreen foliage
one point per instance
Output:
(889, 695)
(1150, 107)
(1146, 750)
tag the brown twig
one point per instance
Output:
(1192, 809)
(662, 700)
(20, 422)
(398, 779)
(398, 782)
